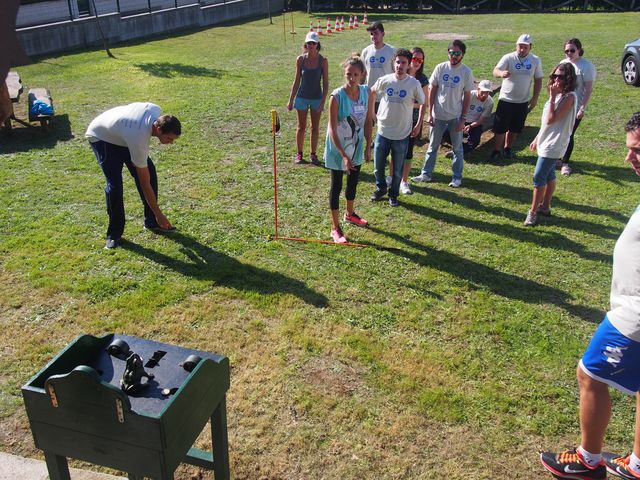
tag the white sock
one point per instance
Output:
(634, 463)
(591, 459)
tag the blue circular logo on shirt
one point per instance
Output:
(382, 59)
(480, 109)
(390, 92)
(472, 107)
(445, 77)
(456, 79)
(372, 60)
(528, 66)
(518, 66)
(403, 93)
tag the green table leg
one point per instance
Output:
(57, 466)
(220, 441)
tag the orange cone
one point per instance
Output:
(311, 26)
(364, 20)
(319, 28)
(328, 31)
(342, 24)
(355, 22)
(337, 24)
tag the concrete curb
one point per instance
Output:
(13, 467)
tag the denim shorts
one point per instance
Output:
(305, 104)
(545, 171)
(613, 359)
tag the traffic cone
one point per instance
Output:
(351, 22)
(328, 31)
(319, 28)
(355, 22)
(342, 24)
(337, 24)
(364, 20)
(311, 26)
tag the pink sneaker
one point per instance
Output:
(355, 219)
(338, 236)
(299, 160)
(566, 169)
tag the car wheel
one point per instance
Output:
(631, 71)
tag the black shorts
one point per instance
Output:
(510, 116)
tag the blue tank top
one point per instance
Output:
(310, 81)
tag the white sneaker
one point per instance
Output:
(455, 183)
(405, 189)
(389, 179)
(423, 177)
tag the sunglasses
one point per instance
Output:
(570, 50)
(555, 75)
(417, 60)
(455, 52)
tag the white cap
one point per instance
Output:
(312, 37)
(485, 86)
(525, 38)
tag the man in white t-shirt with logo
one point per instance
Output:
(612, 358)
(518, 70)
(377, 57)
(397, 93)
(478, 118)
(451, 84)
(120, 137)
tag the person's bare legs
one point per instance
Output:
(595, 412)
(538, 195)
(301, 129)
(548, 194)
(335, 220)
(511, 139)
(350, 205)
(405, 171)
(315, 129)
(498, 138)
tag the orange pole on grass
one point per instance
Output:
(274, 128)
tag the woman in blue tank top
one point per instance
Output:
(309, 91)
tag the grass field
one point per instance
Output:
(450, 355)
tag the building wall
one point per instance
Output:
(66, 34)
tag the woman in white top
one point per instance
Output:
(585, 78)
(558, 118)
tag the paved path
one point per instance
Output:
(19, 468)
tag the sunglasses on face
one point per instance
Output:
(417, 60)
(557, 75)
(455, 52)
(570, 50)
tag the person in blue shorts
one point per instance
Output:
(612, 359)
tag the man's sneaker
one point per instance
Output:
(355, 219)
(422, 178)
(378, 195)
(389, 179)
(619, 466)
(338, 236)
(544, 212)
(508, 153)
(455, 183)
(299, 160)
(531, 220)
(569, 465)
(405, 189)
(449, 154)
(566, 169)
(393, 202)
(495, 155)
(111, 244)
(314, 159)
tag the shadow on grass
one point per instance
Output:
(210, 265)
(500, 283)
(25, 137)
(173, 70)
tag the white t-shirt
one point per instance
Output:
(625, 281)
(585, 72)
(377, 62)
(452, 82)
(126, 126)
(517, 88)
(553, 139)
(479, 111)
(395, 115)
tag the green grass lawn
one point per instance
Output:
(450, 355)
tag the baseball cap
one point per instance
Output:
(312, 37)
(375, 26)
(525, 38)
(485, 86)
